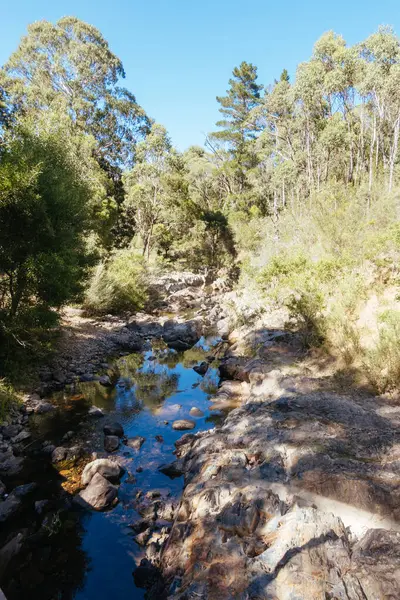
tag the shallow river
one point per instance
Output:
(91, 555)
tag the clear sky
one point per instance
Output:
(178, 54)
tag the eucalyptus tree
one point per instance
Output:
(380, 84)
(69, 65)
(50, 188)
(145, 184)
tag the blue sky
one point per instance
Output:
(179, 54)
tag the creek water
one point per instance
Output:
(91, 555)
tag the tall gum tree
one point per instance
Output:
(69, 64)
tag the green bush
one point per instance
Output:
(117, 284)
(382, 363)
(8, 398)
(306, 317)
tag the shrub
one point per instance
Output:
(382, 363)
(8, 398)
(306, 317)
(117, 284)
(47, 192)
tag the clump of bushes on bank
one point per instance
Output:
(324, 264)
(119, 283)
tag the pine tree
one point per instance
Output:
(238, 128)
(285, 76)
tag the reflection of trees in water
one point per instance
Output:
(95, 393)
(209, 383)
(154, 385)
(52, 563)
(193, 356)
(170, 359)
(127, 366)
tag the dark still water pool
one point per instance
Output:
(92, 555)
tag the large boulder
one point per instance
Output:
(99, 494)
(181, 336)
(10, 465)
(109, 469)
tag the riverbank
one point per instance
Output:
(291, 477)
(297, 492)
(66, 424)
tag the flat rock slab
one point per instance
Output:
(183, 424)
(279, 496)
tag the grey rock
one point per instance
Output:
(202, 368)
(48, 448)
(87, 377)
(111, 443)
(181, 336)
(99, 494)
(9, 507)
(94, 411)
(11, 431)
(59, 454)
(10, 465)
(196, 412)
(109, 469)
(40, 506)
(174, 469)
(136, 442)
(43, 407)
(24, 490)
(68, 436)
(105, 381)
(7, 553)
(182, 424)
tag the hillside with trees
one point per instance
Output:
(293, 199)
(245, 292)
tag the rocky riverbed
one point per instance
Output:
(234, 467)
